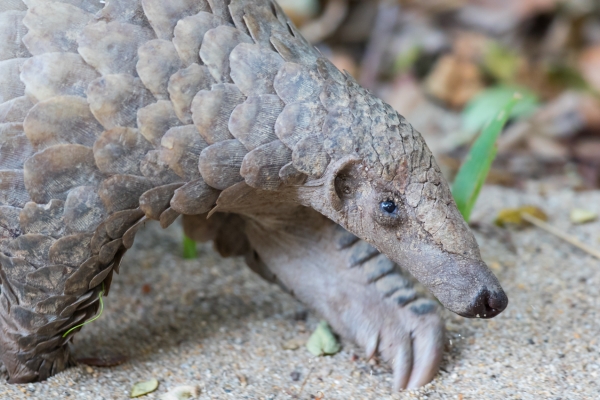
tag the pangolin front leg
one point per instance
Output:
(362, 294)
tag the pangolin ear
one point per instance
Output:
(342, 180)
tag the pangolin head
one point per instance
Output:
(384, 186)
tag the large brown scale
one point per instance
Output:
(113, 114)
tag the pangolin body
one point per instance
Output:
(113, 114)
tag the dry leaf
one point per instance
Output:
(344, 62)
(454, 81)
(182, 393)
(300, 11)
(589, 65)
(547, 149)
(587, 150)
(580, 216)
(513, 216)
(143, 388)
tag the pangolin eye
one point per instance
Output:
(389, 212)
(388, 206)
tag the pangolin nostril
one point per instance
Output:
(487, 304)
(495, 303)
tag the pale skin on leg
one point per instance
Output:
(301, 250)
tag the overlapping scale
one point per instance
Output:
(112, 114)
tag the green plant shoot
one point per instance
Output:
(93, 319)
(189, 248)
(484, 106)
(475, 169)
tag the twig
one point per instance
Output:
(555, 231)
(305, 380)
(334, 14)
(387, 17)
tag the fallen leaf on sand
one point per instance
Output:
(143, 388)
(322, 341)
(182, 393)
(580, 216)
(514, 216)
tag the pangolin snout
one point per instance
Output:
(487, 304)
(464, 285)
(478, 293)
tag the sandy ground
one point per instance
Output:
(213, 324)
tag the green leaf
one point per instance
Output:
(143, 388)
(405, 61)
(566, 75)
(322, 341)
(483, 107)
(474, 171)
(501, 62)
(189, 248)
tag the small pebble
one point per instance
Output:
(295, 376)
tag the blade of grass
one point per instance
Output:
(475, 169)
(189, 248)
(93, 319)
(483, 107)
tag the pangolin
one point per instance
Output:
(118, 112)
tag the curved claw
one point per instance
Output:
(428, 347)
(403, 361)
(412, 341)
(371, 347)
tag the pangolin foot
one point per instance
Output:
(364, 296)
(410, 338)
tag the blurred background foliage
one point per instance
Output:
(448, 66)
